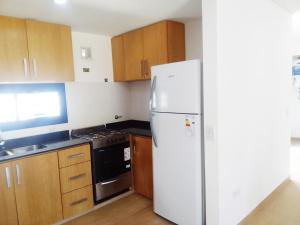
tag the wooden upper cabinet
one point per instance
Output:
(176, 41)
(35, 51)
(37, 189)
(118, 58)
(8, 209)
(156, 44)
(133, 55)
(142, 166)
(13, 53)
(50, 51)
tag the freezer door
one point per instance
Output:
(177, 168)
(176, 87)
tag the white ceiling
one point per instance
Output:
(108, 17)
(291, 5)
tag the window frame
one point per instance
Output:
(38, 122)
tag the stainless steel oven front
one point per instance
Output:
(111, 171)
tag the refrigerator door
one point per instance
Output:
(177, 168)
(175, 87)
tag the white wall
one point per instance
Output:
(210, 95)
(139, 100)
(90, 101)
(101, 62)
(251, 54)
(193, 39)
(296, 34)
(91, 104)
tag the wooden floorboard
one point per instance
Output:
(282, 207)
(131, 210)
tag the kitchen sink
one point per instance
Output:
(3, 153)
(21, 150)
(25, 149)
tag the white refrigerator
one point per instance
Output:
(175, 111)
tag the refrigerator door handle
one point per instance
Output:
(153, 130)
(152, 94)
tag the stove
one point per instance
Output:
(101, 136)
(111, 160)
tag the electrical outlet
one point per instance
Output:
(236, 193)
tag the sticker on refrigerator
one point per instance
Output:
(126, 154)
(189, 125)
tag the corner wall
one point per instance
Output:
(252, 62)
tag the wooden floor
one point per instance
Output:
(131, 210)
(282, 207)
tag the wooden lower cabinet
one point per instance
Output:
(30, 188)
(74, 155)
(77, 201)
(142, 165)
(76, 180)
(75, 177)
(37, 189)
(8, 208)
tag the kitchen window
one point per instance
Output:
(32, 105)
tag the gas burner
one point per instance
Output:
(101, 136)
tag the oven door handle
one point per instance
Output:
(108, 182)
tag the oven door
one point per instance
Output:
(111, 162)
(112, 170)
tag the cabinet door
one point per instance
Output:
(50, 51)
(8, 209)
(142, 166)
(13, 53)
(37, 190)
(176, 41)
(117, 46)
(133, 51)
(155, 46)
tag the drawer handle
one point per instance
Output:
(79, 201)
(8, 180)
(76, 155)
(18, 173)
(77, 176)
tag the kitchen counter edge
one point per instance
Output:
(49, 148)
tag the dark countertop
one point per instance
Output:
(138, 131)
(62, 139)
(134, 127)
(52, 141)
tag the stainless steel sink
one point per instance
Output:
(21, 150)
(25, 149)
(3, 153)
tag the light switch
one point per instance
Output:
(209, 133)
(86, 52)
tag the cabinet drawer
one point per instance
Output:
(77, 201)
(74, 155)
(75, 177)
